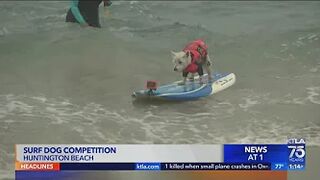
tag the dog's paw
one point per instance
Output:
(201, 81)
(181, 83)
(191, 79)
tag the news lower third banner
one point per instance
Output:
(46, 157)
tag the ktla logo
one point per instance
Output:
(297, 150)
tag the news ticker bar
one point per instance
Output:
(290, 156)
(142, 166)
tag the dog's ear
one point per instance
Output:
(173, 54)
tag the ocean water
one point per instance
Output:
(60, 83)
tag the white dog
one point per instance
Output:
(192, 59)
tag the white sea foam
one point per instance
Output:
(248, 103)
(134, 2)
(313, 94)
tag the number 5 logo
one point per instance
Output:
(297, 151)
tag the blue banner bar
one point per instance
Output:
(255, 153)
(165, 166)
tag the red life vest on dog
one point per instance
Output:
(198, 50)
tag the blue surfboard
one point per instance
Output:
(191, 90)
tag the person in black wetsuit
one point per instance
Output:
(86, 12)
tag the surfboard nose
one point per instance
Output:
(223, 83)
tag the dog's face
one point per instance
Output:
(181, 60)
